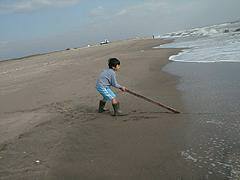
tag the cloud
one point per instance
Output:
(162, 16)
(3, 44)
(97, 12)
(146, 7)
(22, 6)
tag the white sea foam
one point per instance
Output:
(213, 44)
(187, 156)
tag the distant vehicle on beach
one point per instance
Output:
(104, 42)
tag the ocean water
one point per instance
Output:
(211, 44)
(209, 79)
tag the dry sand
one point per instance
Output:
(50, 128)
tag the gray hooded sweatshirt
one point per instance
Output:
(107, 78)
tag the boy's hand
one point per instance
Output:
(123, 89)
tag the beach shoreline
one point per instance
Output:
(50, 128)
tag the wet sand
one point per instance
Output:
(210, 93)
(50, 128)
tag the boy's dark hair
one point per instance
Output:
(113, 62)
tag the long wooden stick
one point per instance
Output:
(152, 101)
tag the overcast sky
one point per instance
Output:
(38, 25)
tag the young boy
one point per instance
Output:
(107, 79)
